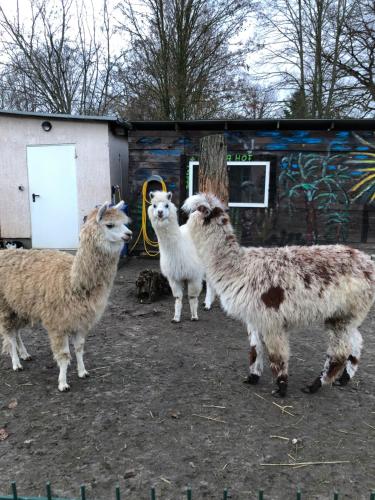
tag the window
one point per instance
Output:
(248, 182)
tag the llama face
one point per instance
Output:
(161, 207)
(116, 231)
(113, 223)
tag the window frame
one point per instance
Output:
(266, 164)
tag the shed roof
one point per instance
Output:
(272, 124)
(60, 116)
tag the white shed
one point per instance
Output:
(53, 170)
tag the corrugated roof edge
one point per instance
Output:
(275, 124)
(60, 116)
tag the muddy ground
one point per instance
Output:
(165, 406)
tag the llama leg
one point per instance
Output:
(10, 347)
(351, 365)
(210, 295)
(255, 356)
(278, 352)
(79, 342)
(337, 354)
(194, 289)
(61, 354)
(177, 292)
(8, 330)
(22, 349)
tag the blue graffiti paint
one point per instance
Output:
(362, 148)
(360, 157)
(292, 140)
(268, 133)
(149, 140)
(343, 134)
(183, 141)
(164, 152)
(301, 133)
(273, 146)
(339, 146)
(305, 140)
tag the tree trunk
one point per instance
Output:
(213, 173)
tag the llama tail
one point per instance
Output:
(207, 200)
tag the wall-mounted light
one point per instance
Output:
(46, 126)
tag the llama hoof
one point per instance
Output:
(194, 319)
(84, 374)
(315, 386)
(280, 392)
(206, 308)
(252, 379)
(18, 368)
(27, 358)
(276, 394)
(282, 388)
(175, 320)
(64, 387)
(344, 379)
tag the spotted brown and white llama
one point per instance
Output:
(272, 290)
(179, 261)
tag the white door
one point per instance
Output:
(53, 196)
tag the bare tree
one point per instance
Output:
(57, 62)
(357, 57)
(249, 99)
(181, 64)
(305, 40)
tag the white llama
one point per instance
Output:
(179, 261)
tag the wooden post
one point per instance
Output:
(213, 173)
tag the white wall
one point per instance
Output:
(92, 163)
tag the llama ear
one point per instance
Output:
(120, 205)
(102, 210)
(151, 195)
(204, 210)
(169, 195)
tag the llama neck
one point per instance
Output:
(221, 254)
(169, 233)
(93, 267)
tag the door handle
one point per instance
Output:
(35, 196)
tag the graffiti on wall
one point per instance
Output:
(365, 188)
(316, 184)
(322, 182)
(326, 186)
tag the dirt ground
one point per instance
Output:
(165, 406)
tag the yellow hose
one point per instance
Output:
(147, 242)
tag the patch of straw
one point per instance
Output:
(282, 408)
(304, 464)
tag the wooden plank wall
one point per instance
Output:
(322, 165)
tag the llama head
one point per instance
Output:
(108, 226)
(207, 212)
(161, 208)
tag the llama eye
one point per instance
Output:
(166, 206)
(110, 226)
(154, 206)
